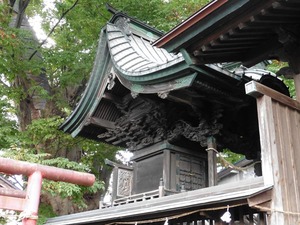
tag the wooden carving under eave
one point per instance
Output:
(207, 127)
(143, 124)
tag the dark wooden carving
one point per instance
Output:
(146, 121)
(207, 127)
(143, 123)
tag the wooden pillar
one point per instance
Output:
(251, 222)
(161, 188)
(212, 161)
(297, 86)
(279, 128)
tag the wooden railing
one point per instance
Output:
(158, 193)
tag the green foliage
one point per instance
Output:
(45, 212)
(3, 220)
(277, 65)
(231, 156)
(41, 143)
(8, 126)
(71, 191)
(291, 85)
(5, 18)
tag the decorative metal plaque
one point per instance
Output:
(124, 185)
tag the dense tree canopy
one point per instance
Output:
(40, 84)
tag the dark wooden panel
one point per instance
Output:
(256, 90)
(148, 173)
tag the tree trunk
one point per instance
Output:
(32, 107)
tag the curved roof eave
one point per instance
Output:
(160, 87)
(92, 93)
(136, 22)
(137, 61)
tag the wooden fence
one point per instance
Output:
(279, 127)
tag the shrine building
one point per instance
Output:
(177, 100)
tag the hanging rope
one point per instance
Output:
(276, 210)
(229, 164)
(166, 219)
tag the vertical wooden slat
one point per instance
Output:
(297, 86)
(271, 161)
(285, 119)
(241, 216)
(281, 134)
(295, 129)
(267, 139)
(262, 219)
(279, 127)
(251, 222)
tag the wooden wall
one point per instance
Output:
(279, 127)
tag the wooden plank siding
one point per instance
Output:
(279, 127)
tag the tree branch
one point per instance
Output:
(53, 28)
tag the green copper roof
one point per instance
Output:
(93, 91)
(153, 70)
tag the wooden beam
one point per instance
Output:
(256, 90)
(223, 49)
(260, 198)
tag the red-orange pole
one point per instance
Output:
(35, 174)
(10, 166)
(33, 193)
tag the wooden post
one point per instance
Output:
(161, 188)
(297, 86)
(212, 161)
(279, 128)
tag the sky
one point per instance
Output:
(36, 23)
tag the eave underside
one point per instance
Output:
(239, 30)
